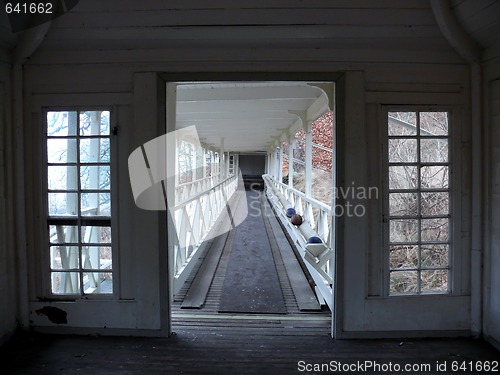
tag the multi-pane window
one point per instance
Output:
(419, 230)
(79, 202)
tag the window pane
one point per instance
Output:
(96, 234)
(402, 150)
(65, 283)
(75, 141)
(402, 123)
(95, 177)
(61, 150)
(434, 281)
(435, 230)
(63, 204)
(404, 281)
(97, 282)
(64, 258)
(61, 124)
(94, 150)
(62, 177)
(419, 221)
(435, 255)
(403, 204)
(435, 204)
(96, 204)
(97, 257)
(94, 123)
(403, 177)
(63, 234)
(434, 150)
(434, 177)
(403, 256)
(403, 230)
(433, 123)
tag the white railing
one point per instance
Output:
(190, 189)
(318, 222)
(194, 218)
(66, 239)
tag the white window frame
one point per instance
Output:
(46, 267)
(454, 188)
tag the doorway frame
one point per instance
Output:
(166, 97)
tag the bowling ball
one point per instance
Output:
(296, 219)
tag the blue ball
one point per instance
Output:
(314, 239)
(290, 212)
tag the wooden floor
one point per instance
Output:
(248, 347)
(208, 342)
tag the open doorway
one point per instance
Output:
(252, 214)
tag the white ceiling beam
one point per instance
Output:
(324, 103)
(244, 106)
(29, 42)
(211, 94)
(454, 33)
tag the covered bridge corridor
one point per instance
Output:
(253, 232)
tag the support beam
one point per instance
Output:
(324, 103)
(291, 146)
(454, 33)
(307, 126)
(280, 163)
(222, 168)
(309, 165)
(29, 42)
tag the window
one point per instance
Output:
(79, 202)
(418, 225)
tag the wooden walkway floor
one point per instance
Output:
(209, 314)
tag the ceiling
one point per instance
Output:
(312, 25)
(247, 116)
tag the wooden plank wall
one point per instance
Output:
(250, 32)
(7, 268)
(492, 260)
(111, 84)
(83, 63)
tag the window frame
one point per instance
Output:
(454, 189)
(46, 271)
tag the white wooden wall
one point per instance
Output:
(371, 81)
(492, 203)
(92, 59)
(8, 293)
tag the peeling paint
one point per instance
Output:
(54, 314)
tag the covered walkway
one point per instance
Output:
(249, 269)
(242, 150)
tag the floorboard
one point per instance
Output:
(243, 347)
(306, 299)
(251, 283)
(198, 291)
